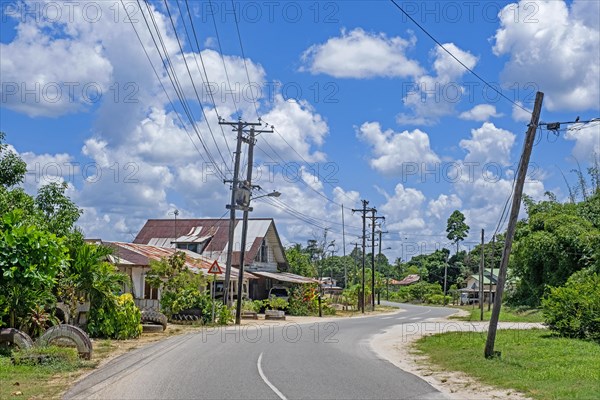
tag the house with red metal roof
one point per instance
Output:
(264, 254)
(134, 261)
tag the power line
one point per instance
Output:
(191, 78)
(237, 26)
(207, 82)
(161, 84)
(169, 68)
(212, 13)
(460, 62)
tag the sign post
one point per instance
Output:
(215, 270)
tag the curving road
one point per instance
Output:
(325, 360)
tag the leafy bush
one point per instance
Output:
(276, 303)
(180, 287)
(437, 299)
(37, 321)
(252, 305)
(573, 310)
(303, 300)
(225, 314)
(116, 319)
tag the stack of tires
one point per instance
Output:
(188, 315)
(153, 321)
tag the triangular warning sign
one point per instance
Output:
(215, 268)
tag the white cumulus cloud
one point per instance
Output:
(360, 54)
(481, 112)
(556, 47)
(391, 150)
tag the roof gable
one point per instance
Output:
(166, 232)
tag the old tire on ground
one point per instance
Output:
(15, 337)
(69, 332)
(154, 317)
(152, 328)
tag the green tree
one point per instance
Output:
(299, 261)
(30, 260)
(180, 288)
(457, 229)
(555, 241)
(12, 167)
(58, 211)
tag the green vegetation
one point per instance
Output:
(276, 303)
(35, 371)
(181, 289)
(507, 314)
(457, 229)
(118, 319)
(421, 292)
(556, 241)
(532, 362)
(44, 259)
(573, 310)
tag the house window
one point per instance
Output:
(188, 246)
(150, 292)
(263, 252)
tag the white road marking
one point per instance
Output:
(401, 318)
(415, 318)
(264, 378)
(387, 317)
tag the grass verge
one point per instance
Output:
(31, 379)
(533, 362)
(507, 314)
(49, 380)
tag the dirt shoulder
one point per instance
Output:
(397, 346)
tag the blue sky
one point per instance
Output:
(357, 90)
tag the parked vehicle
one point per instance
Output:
(280, 291)
(467, 298)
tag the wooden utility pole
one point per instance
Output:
(492, 272)
(446, 277)
(512, 224)
(344, 249)
(363, 210)
(481, 275)
(239, 128)
(247, 187)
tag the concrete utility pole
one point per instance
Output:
(239, 128)
(512, 224)
(363, 210)
(481, 275)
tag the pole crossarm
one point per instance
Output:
(241, 128)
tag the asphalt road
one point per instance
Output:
(325, 360)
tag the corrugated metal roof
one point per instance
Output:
(407, 280)
(141, 254)
(286, 277)
(161, 232)
(192, 239)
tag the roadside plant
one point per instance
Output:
(276, 303)
(252, 305)
(30, 259)
(118, 318)
(180, 287)
(225, 315)
(573, 310)
(37, 321)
